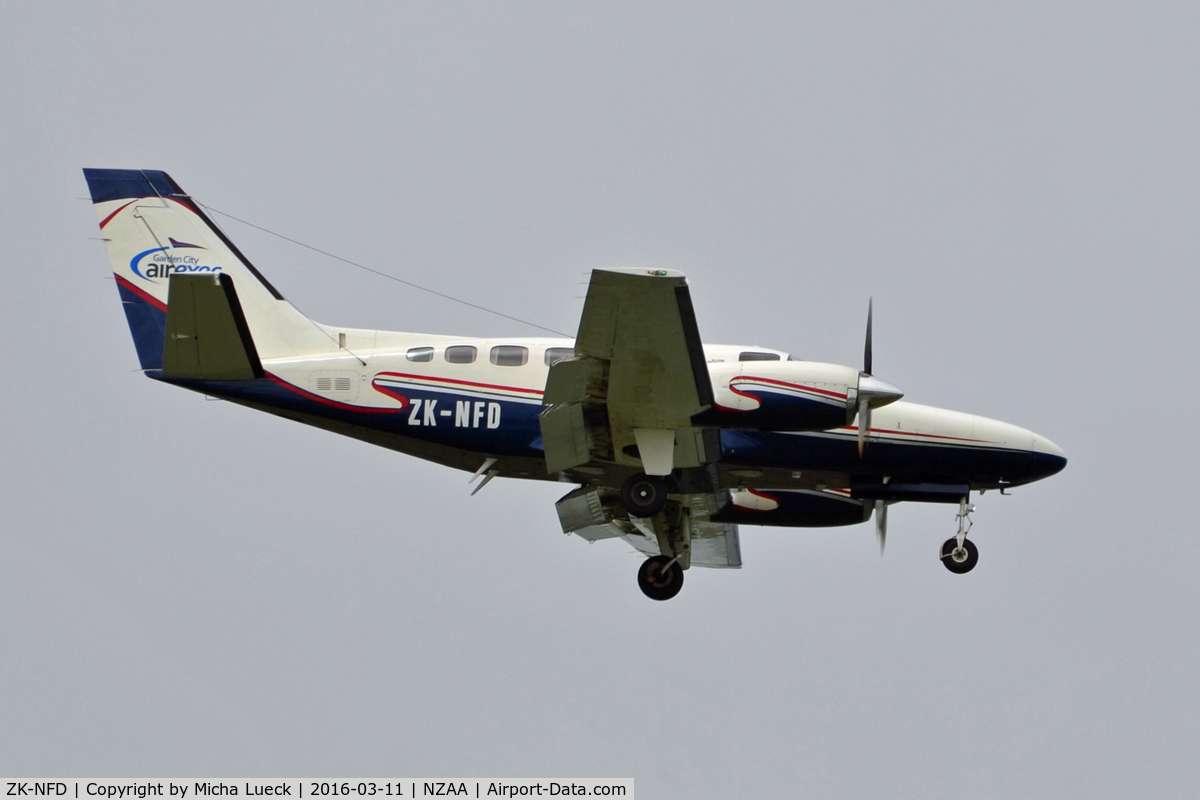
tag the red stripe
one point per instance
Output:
(758, 400)
(326, 401)
(387, 391)
(185, 203)
(459, 383)
(108, 219)
(913, 433)
(764, 496)
(785, 383)
(154, 301)
(740, 393)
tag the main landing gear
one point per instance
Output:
(958, 554)
(644, 495)
(660, 578)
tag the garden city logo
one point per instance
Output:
(159, 262)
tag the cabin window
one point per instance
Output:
(461, 354)
(419, 354)
(510, 355)
(750, 355)
(556, 354)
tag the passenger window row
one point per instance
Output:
(502, 355)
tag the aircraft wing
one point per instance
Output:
(637, 378)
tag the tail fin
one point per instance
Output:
(153, 230)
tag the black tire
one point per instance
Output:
(960, 565)
(644, 495)
(657, 584)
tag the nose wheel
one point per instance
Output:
(660, 578)
(959, 559)
(960, 555)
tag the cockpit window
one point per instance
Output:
(461, 354)
(556, 354)
(419, 354)
(509, 355)
(750, 355)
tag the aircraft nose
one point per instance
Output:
(1051, 458)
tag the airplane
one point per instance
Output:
(671, 443)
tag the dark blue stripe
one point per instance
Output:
(919, 463)
(518, 434)
(778, 411)
(147, 324)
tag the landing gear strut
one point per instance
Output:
(644, 495)
(660, 578)
(958, 554)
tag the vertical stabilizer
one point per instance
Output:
(153, 230)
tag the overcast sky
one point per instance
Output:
(190, 588)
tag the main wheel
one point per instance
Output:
(644, 495)
(959, 561)
(658, 584)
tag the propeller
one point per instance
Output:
(864, 402)
(881, 524)
(867, 348)
(871, 391)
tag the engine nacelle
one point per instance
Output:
(793, 509)
(781, 395)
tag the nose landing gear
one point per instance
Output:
(660, 578)
(958, 554)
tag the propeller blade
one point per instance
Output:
(881, 524)
(864, 423)
(867, 349)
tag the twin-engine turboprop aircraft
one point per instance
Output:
(673, 443)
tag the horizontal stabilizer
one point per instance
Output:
(207, 336)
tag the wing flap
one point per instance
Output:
(714, 545)
(638, 354)
(644, 325)
(717, 545)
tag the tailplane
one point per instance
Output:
(153, 230)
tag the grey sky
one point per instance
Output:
(191, 588)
